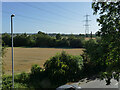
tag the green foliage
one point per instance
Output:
(23, 40)
(7, 83)
(20, 86)
(6, 39)
(35, 69)
(107, 76)
(109, 21)
(98, 33)
(116, 76)
(64, 67)
(92, 56)
(42, 33)
(76, 43)
(22, 78)
(37, 77)
(59, 70)
(90, 49)
(43, 40)
(2, 50)
(58, 36)
(2, 53)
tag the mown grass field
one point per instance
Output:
(24, 58)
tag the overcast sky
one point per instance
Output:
(49, 17)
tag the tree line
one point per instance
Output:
(101, 56)
(43, 40)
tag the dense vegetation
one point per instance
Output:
(58, 70)
(64, 67)
(43, 40)
(101, 56)
(109, 49)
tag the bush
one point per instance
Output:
(22, 78)
(6, 82)
(35, 69)
(64, 67)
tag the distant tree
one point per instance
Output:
(76, 43)
(80, 34)
(39, 32)
(71, 37)
(6, 39)
(58, 36)
(43, 40)
(22, 40)
(62, 43)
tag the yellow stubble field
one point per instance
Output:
(24, 58)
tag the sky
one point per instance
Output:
(48, 17)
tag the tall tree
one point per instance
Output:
(109, 21)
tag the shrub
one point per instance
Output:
(23, 77)
(6, 82)
(35, 69)
(36, 75)
(64, 67)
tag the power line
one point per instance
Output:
(65, 9)
(40, 19)
(50, 12)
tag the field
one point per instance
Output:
(24, 58)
